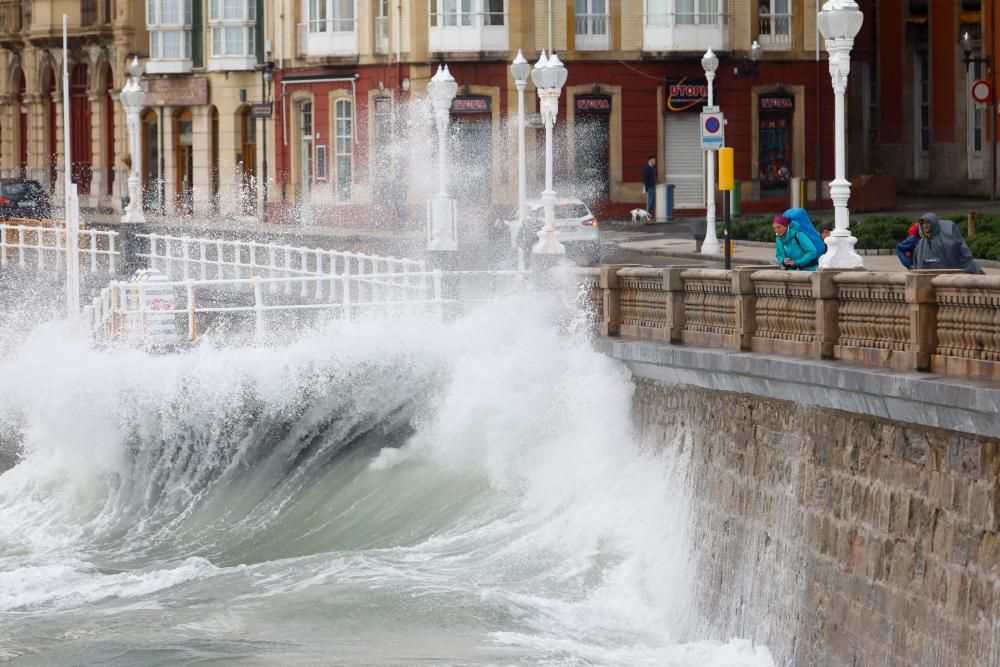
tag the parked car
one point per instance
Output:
(577, 226)
(20, 198)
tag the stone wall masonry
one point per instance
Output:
(835, 538)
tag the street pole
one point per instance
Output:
(839, 22)
(710, 246)
(441, 223)
(549, 76)
(132, 98)
(72, 202)
(162, 175)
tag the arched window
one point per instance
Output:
(22, 126)
(247, 171)
(150, 161)
(344, 147)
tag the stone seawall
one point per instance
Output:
(835, 537)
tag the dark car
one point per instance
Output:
(20, 198)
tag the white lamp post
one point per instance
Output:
(132, 99)
(520, 69)
(441, 215)
(549, 75)
(840, 21)
(710, 246)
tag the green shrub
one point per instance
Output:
(752, 229)
(880, 231)
(984, 245)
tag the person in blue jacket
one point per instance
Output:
(794, 250)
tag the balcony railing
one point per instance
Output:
(328, 37)
(468, 31)
(592, 32)
(774, 31)
(381, 34)
(13, 16)
(686, 31)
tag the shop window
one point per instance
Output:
(774, 144)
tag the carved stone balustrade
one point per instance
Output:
(920, 320)
(967, 325)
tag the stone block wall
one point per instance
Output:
(836, 538)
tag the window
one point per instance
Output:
(697, 12)
(449, 13)
(233, 23)
(344, 138)
(169, 24)
(923, 102)
(306, 147)
(321, 162)
(657, 13)
(591, 17)
(331, 16)
(774, 23)
(382, 27)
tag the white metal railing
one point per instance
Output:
(592, 32)
(43, 248)
(186, 258)
(381, 34)
(122, 313)
(774, 31)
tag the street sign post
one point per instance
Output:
(713, 132)
(981, 91)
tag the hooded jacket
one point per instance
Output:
(801, 216)
(943, 248)
(797, 246)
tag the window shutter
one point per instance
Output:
(259, 31)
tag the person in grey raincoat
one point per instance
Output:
(941, 246)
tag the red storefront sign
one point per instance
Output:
(687, 94)
(593, 105)
(470, 104)
(777, 103)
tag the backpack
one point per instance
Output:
(800, 216)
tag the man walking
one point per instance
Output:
(649, 185)
(941, 246)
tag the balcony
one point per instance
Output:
(592, 32)
(325, 38)
(381, 34)
(692, 31)
(774, 32)
(13, 17)
(468, 31)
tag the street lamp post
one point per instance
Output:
(441, 214)
(549, 75)
(840, 21)
(521, 69)
(710, 246)
(266, 76)
(132, 98)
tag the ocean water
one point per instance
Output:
(388, 491)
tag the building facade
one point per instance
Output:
(926, 129)
(348, 136)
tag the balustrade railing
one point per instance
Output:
(124, 312)
(948, 322)
(43, 248)
(13, 15)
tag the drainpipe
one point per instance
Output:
(819, 117)
(993, 106)
(550, 27)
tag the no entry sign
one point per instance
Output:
(981, 91)
(713, 133)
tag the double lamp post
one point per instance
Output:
(549, 75)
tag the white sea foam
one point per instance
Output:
(521, 493)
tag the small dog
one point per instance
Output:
(639, 215)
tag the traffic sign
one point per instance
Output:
(260, 110)
(981, 91)
(713, 132)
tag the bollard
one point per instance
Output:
(669, 199)
(795, 192)
(970, 221)
(660, 214)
